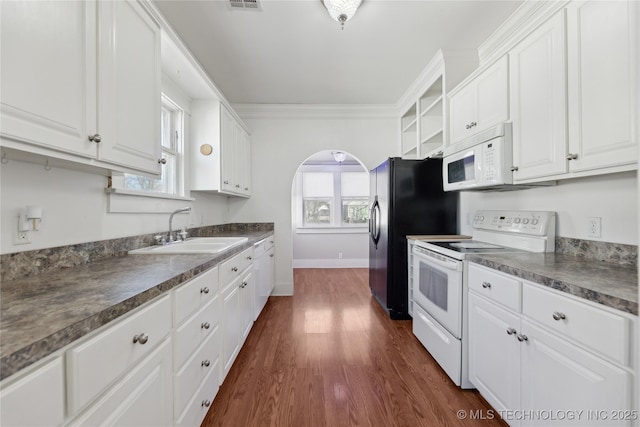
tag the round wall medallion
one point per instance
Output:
(206, 149)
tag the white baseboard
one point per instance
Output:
(282, 290)
(331, 263)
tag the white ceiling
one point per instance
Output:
(292, 52)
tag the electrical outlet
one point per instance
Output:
(21, 237)
(339, 255)
(594, 227)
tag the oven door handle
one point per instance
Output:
(449, 265)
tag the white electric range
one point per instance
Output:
(440, 279)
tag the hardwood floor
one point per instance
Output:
(329, 356)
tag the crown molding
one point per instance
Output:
(530, 15)
(315, 111)
(431, 72)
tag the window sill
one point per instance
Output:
(128, 201)
(332, 230)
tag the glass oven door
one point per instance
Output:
(437, 288)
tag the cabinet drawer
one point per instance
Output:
(195, 330)
(233, 267)
(194, 294)
(601, 330)
(495, 286)
(141, 398)
(96, 363)
(36, 399)
(202, 400)
(196, 369)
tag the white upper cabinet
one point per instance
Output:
(82, 78)
(481, 103)
(603, 78)
(221, 151)
(538, 101)
(49, 74)
(129, 86)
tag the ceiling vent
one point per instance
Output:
(245, 4)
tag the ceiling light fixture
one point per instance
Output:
(339, 156)
(341, 10)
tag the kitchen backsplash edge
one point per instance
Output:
(29, 263)
(615, 253)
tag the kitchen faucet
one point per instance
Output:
(170, 238)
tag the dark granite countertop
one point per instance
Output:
(41, 314)
(605, 283)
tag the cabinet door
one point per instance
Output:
(142, 398)
(246, 163)
(48, 74)
(558, 376)
(37, 399)
(129, 86)
(227, 132)
(238, 158)
(231, 324)
(538, 102)
(603, 78)
(492, 94)
(247, 300)
(462, 107)
(494, 353)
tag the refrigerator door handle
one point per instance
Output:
(376, 222)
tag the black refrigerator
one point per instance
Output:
(406, 198)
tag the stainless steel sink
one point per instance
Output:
(198, 245)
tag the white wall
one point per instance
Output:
(323, 250)
(279, 146)
(614, 198)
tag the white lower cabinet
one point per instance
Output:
(142, 398)
(494, 362)
(160, 365)
(42, 388)
(557, 355)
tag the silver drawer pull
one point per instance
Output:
(206, 403)
(204, 290)
(234, 269)
(249, 258)
(522, 337)
(271, 255)
(558, 316)
(205, 363)
(205, 325)
(511, 331)
(486, 285)
(141, 338)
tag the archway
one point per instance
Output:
(329, 212)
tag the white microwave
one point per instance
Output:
(480, 162)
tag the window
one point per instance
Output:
(170, 181)
(333, 196)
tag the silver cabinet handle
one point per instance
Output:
(558, 316)
(473, 124)
(205, 363)
(162, 161)
(141, 338)
(246, 188)
(226, 182)
(234, 269)
(522, 337)
(95, 138)
(237, 185)
(271, 255)
(468, 126)
(205, 325)
(572, 156)
(243, 285)
(204, 290)
(511, 331)
(514, 168)
(249, 258)
(206, 403)
(486, 285)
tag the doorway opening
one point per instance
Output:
(330, 212)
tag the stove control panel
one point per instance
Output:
(537, 223)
